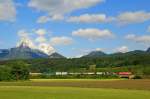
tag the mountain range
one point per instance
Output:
(23, 51)
(97, 54)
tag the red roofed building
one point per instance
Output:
(125, 74)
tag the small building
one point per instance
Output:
(99, 73)
(125, 74)
(58, 73)
(90, 73)
(64, 73)
(61, 73)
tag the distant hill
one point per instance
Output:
(148, 50)
(95, 54)
(4, 53)
(99, 54)
(56, 55)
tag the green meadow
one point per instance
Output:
(75, 89)
(24, 92)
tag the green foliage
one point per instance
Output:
(17, 70)
(79, 76)
(146, 70)
(137, 63)
(92, 68)
(5, 73)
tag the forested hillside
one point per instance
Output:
(130, 61)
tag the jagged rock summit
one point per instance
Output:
(25, 50)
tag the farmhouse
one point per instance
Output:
(125, 74)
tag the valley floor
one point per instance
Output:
(75, 89)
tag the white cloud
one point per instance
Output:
(43, 19)
(144, 39)
(122, 19)
(90, 18)
(57, 17)
(26, 42)
(42, 44)
(55, 9)
(133, 17)
(99, 49)
(25, 39)
(122, 49)
(61, 41)
(46, 48)
(7, 10)
(41, 32)
(130, 36)
(22, 33)
(40, 39)
(93, 34)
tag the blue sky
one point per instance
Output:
(76, 27)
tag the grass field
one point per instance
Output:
(76, 89)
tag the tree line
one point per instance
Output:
(19, 69)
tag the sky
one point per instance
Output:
(76, 27)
